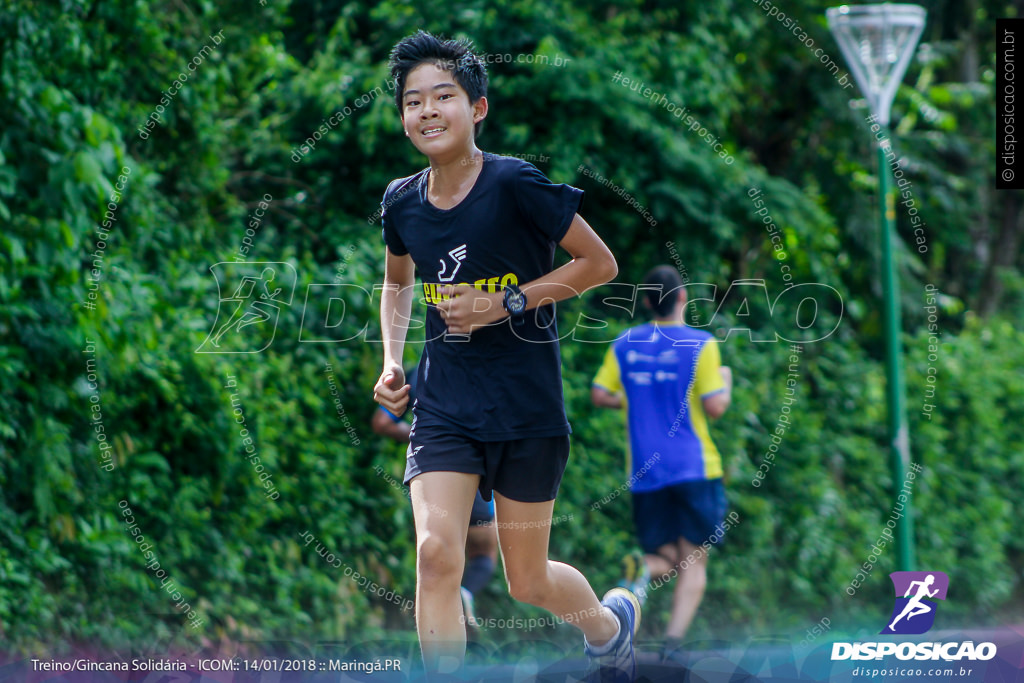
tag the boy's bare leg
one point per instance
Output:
(482, 541)
(689, 589)
(660, 564)
(441, 505)
(523, 533)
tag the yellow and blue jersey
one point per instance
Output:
(665, 370)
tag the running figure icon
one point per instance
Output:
(914, 606)
(250, 309)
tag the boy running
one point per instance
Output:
(480, 230)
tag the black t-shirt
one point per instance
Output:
(504, 381)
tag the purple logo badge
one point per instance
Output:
(914, 611)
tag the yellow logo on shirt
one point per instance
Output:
(432, 290)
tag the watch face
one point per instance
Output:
(515, 301)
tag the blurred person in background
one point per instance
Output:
(669, 379)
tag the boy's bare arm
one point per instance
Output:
(391, 390)
(381, 423)
(715, 405)
(592, 265)
(602, 398)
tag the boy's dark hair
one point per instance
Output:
(454, 55)
(661, 287)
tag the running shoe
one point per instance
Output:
(615, 662)
(636, 574)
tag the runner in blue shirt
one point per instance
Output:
(669, 379)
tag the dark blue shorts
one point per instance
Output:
(690, 509)
(524, 470)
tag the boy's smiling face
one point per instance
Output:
(437, 114)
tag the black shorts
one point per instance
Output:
(690, 509)
(524, 470)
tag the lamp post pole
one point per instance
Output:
(898, 432)
(878, 42)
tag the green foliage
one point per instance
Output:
(79, 81)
